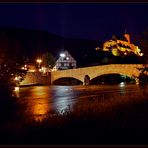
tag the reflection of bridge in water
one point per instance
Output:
(95, 71)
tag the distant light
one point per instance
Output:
(67, 58)
(122, 84)
(40, 70)
(39, 60)
(23, 68)
(98, 48)
(43, 69)
(16, 78)
(32, 70)
(16, 88)
(54, 68)
(62, 55)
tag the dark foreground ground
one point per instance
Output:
(114, 121)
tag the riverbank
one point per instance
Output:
(32, 84)
(96, 121)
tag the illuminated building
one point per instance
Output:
(118, 47)
(65, 61)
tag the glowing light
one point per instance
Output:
(62, 55)
(39, 60)
(98, 48)
(43, 69)
(32, 70)
(40, 69)
(54, 69)
(67, 58)
(16, 78)
(16, 89)
(122, 84)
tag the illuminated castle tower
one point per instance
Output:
(124, 46)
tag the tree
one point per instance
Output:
(143, 42)
(48, 60)
(10, 64)
(143, 76)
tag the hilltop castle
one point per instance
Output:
(124, 46)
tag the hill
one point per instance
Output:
(35, 42)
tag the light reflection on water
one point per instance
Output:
(39, 101)
(63, 98)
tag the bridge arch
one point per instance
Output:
(112, 78)
(67, 81)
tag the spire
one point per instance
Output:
(114, 38)
(127, 36)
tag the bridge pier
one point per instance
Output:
(86, 80)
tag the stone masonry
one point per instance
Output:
(94, 71)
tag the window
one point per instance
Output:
(62, 64)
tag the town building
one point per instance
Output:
(65, 61)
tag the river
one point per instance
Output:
(38, 101)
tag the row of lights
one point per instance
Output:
(39, 61)
(24, 67)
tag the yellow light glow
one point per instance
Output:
(43, 68)
(98, 48)
(39, 60)
(16, 89)
(130, 47)
(16, 78)
(32, 70)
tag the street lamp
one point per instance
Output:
(62, 55)
(39, 61)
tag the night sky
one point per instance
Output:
(97, 21)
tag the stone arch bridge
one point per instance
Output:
(95, 71)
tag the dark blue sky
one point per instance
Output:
(78, 20)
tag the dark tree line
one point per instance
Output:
(11, 61)
(143, 42)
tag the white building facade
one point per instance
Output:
(65, 61)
